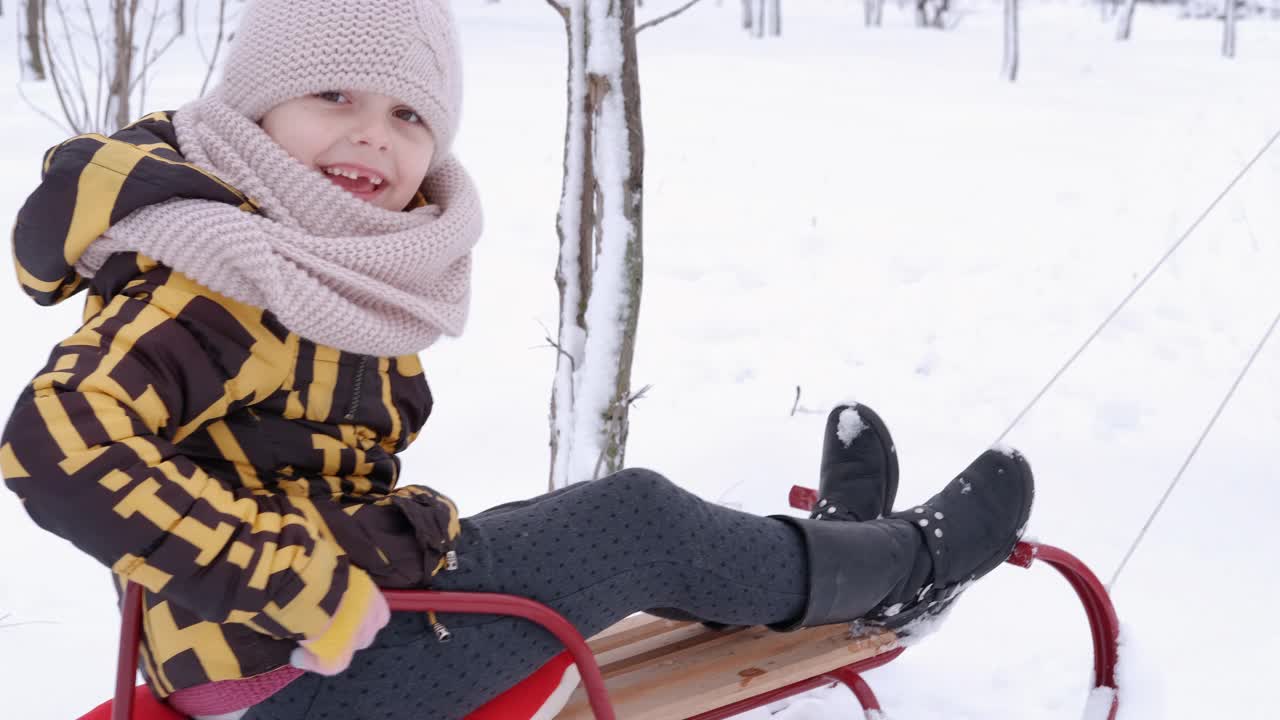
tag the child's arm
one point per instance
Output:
(91, 450)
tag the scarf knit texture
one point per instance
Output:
(334, 269)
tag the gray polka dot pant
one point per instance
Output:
(594, 552)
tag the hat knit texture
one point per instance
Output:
(407, 49)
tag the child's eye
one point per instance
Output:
(331, 96)
(408, 116)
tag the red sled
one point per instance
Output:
(667, 670)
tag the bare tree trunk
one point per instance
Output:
(759, 26)
(746, 14)
(123, 14)
(1125, 28)
(600, 269)
(182, 17)
(940, 14)
(932, 13)
(575, 224)
(873, 12)
(1010, 70)
(35, 58)
(630, 186)
(1229, 29)
(776, 26)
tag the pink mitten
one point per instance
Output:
(355, 625)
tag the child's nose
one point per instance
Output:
(371, 132)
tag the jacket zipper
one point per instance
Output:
(355, 393)
(451, 557)
(442, 633)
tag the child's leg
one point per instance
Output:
(598, 551)
(595, 553)
(634, 541)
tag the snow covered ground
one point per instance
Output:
(865, 214)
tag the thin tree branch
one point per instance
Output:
(140, 79)
(152, 61)
(217, 47)
(97, 49)
(52, 61)
(618, 414)
(573, 366)
(659, 20)
(195, 30)
(639, 394)
(560, 8)
(6, 616)
(62, 127)
(21, 94)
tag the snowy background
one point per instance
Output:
(865, 214)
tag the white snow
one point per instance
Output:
(839, 209)
(849, 426)
(1003, 449)
(916, 631)
(1099, 705)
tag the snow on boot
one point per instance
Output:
(858, 474)
(859, 469)
(969, 529)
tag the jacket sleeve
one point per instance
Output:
(91, 450)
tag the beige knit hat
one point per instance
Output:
(407, 49)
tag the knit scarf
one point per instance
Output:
(333, 268)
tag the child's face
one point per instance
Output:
(376, 137)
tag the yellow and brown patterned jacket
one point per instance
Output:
(243, 475)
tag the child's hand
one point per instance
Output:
(331, 653)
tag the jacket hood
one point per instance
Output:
(89, 183)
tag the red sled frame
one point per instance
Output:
(1103, 623)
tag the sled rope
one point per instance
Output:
(1136, 288)
(1116, 311)
(1212, 421)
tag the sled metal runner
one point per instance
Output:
(634, 673)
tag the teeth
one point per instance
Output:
(352, 174)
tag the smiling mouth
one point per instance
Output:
(356, 182)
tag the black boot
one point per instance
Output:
(853, 567)
(859, 469)
(858, 477)
(913, 564)
(970, 529)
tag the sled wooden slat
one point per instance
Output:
(658, 669)
(641, 634)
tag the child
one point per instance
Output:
(262, 267)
